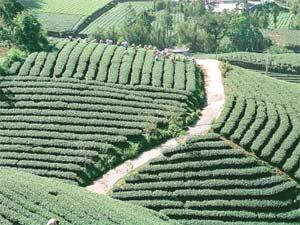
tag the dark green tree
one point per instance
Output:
(139, 31)
(190, 34)
(275, 10)
(9, 10)
(194, 9)
(163, 35)
(27, 33)
(245, 35)
(215, 25)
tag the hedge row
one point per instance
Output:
(114, 69)
(84, 61)
(262, 115)
(105, 62)
(26, 201)
(126, 66)
(198, 182)
(62, 59)
(112, 64)
(94, 62)
(137, 67)
(73, 60)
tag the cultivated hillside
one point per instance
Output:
(249, 177)
(263, 115)
(76, 112)
(31, 200)
(206, 181)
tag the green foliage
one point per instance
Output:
(286, 63)
(294, 6)
(11, 56)
(244, 34)
(205, 180)
(295, 22)
(118, 17)
(59, 126)
(9, 10)
(27, 33)
(138, 32)
(263, 119)
(68, 204)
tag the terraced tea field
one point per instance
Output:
(206, 181)
(262, 115)
(63, 15)
(75, 112)
(283, 21)
(177, 18)
(293, 78)
(211, 180)
(109, 64)
(117, 16)
(281, 66)
(31, 200)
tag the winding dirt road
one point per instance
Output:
(214, 89)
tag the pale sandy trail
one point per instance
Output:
(214, 89)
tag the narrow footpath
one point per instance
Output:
(214, 89)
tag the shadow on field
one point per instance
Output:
(7, 96)
(33, 4)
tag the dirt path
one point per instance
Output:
(215, 99)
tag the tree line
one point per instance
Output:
(202, 29)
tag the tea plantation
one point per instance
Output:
(63, 15)
(32, 200)
(206, 181)
(249, 177)
(262, 115)
(282, 66)
(74, 113)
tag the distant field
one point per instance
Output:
(117, 15)
(281, 66)
(62, 15)
(283, 21)
(286, 77)
(284, 37)
(78, 7)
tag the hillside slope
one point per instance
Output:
(263, 115)
(110, 64)
(31, 200)
(206, 181)
(212, 180)
(64, 114)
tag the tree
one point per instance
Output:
(275, 10)
(163, 35)
(194, 9)
(139, 31)
(9, 10)
(245, 35)
(193, 36)
(215, 25)
(111, 33)
(262, 13)
(27, 33)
